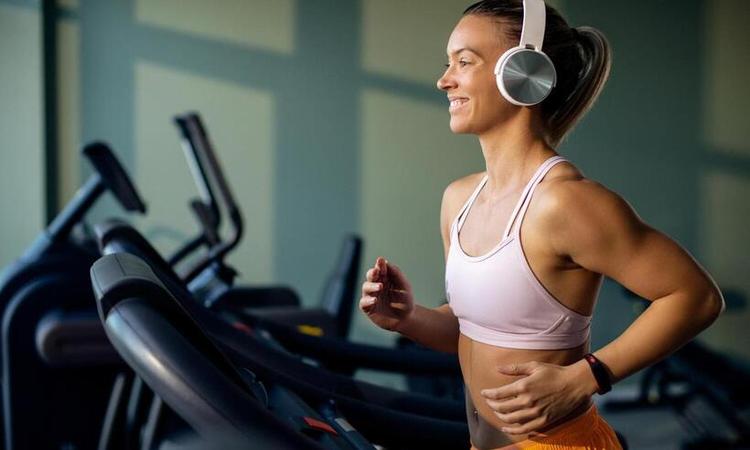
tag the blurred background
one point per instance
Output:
(326, 116)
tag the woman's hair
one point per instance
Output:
(582, 58)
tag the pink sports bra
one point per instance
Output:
(497, 298)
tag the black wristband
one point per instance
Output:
(600, 373)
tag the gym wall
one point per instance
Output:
(21, 153)
(326, 117)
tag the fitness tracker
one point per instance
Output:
(600, 374)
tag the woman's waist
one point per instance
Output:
(480, 366)
(486, 425)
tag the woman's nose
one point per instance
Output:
(446, 81)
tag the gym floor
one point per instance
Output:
(645, 429)
(659, 427)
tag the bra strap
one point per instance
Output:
(519, 203)
(529, 193)
(461, 217)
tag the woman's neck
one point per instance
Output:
(512, 153)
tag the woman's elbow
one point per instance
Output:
(713, 305)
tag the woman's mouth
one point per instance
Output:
(456, 103)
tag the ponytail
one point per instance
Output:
(596, 57)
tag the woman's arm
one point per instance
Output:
(598, 230)
(436, 328)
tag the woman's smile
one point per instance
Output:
(456, 103)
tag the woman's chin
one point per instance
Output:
(459, 127)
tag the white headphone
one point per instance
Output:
(524, 74)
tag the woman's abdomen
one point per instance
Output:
(479, 366)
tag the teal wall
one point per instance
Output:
(21, 152)
(326, 115)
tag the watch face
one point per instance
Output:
(529, 76)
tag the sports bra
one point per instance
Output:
(496, 296)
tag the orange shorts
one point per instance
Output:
(588, 431)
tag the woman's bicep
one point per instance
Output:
(645, 261)
(602, 233)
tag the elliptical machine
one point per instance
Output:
(57, 367)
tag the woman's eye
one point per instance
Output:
(461, 63)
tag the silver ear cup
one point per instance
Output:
(526, 77)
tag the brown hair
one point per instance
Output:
(582, 58)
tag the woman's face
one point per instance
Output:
(476, 104)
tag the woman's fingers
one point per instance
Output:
(370, 288)
(373, 274)
(508, 405)
(398, 277)
(519, 417)
(382, 265)
(366, 303)
(511, 390)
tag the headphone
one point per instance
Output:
(524, 74)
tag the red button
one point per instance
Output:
(318, 425)
(242, 327)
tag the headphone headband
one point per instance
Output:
(524, 74)
(534, 20)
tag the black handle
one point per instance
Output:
(108, 175)
(113, 176)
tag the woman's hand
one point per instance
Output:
(386, 296)
(545, 394)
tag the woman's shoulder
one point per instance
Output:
(566, 183)
(459, 191)
(567, 194)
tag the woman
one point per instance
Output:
(520, 304)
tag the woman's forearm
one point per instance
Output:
(666, 325)
(436, 328)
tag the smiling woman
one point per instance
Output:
(520, 303)
(581, 59)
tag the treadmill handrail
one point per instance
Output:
(385, 420)
(192, 127)
(197, 167)
(336, 351)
